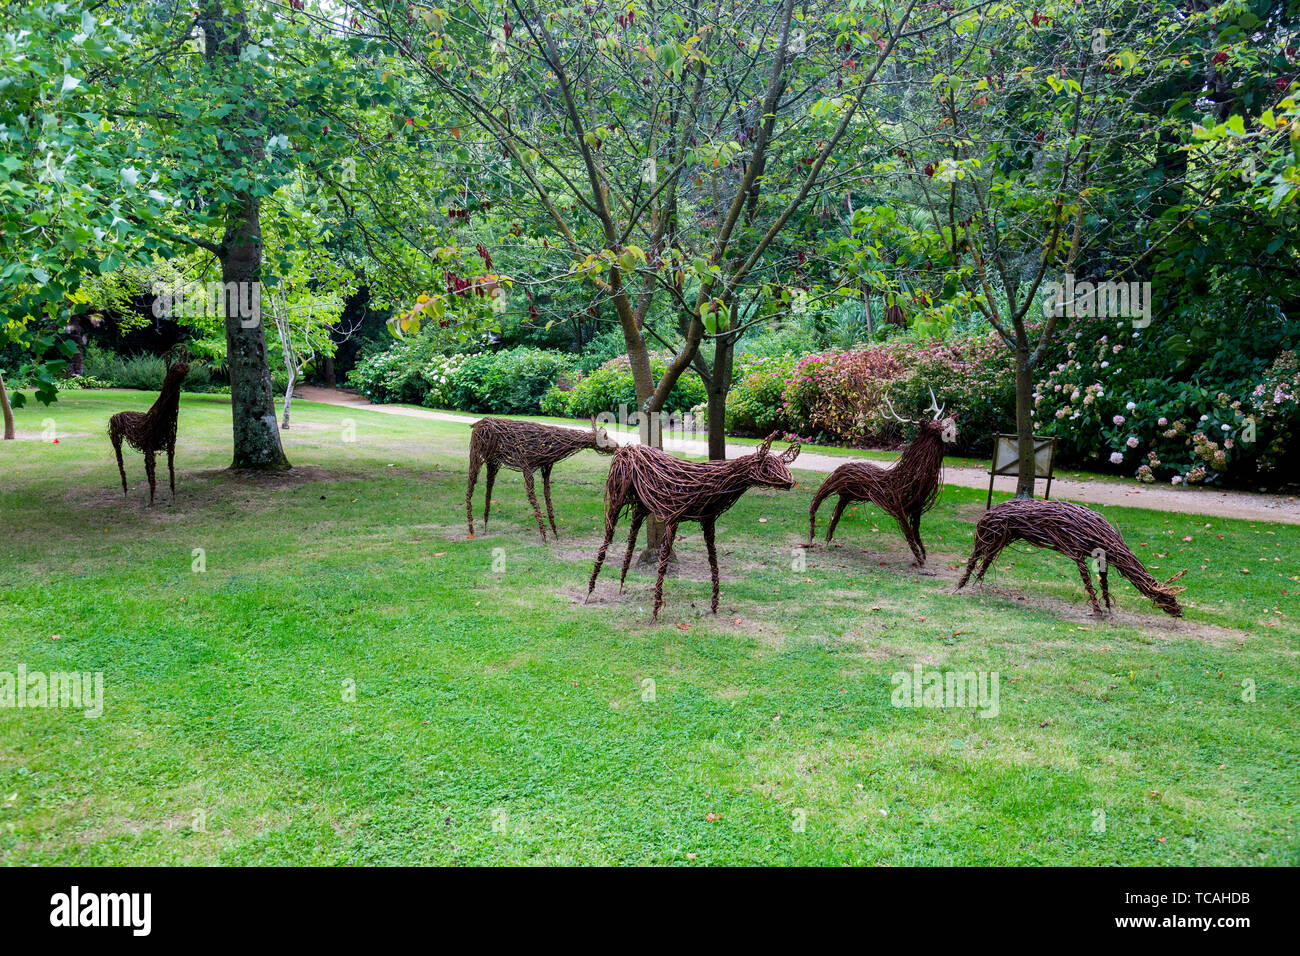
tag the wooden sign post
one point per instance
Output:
(1006, 461)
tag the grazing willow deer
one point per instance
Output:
(525, 447)
(155, 430)
(905, 491)
(647, 482)
(1076, 532)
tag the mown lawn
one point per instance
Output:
(497, 719)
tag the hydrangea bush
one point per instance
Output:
(1115, 406)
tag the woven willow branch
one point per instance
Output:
(1076, 532)
(647, 482)
(525, 447)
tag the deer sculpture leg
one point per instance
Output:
(612, 507)
(665, 549)
(1087, 583)
(970, 566)
(532, 499)
(171, 466)
(115, 437)
(488, 482)
(986, 549)
(638, 516)
(713, 559)
(546, 493)
(915, 519)
(835, 517)
(475, 463)
(905, 526)
(818, 497)
(149, 470)
(1105, 589)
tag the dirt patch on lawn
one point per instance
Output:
(198, 491)
(1080, 613)
(23, 434)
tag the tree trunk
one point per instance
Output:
(329, 372)
(252, 402)
(6, 410)
(288, 399)
(638, 354)
(1025, 423)
(724, 352)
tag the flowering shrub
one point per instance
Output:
(395, 374)
(439, 376)
(973, 377)
(1112, 405)
(840, 396)
(755, 404)
(503, 383)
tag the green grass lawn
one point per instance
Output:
(496, 719)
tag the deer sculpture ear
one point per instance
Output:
(764, 448)
(791, 453)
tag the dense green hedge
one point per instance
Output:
(106, 369)
(414, 371)
(611, 386)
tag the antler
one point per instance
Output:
(934, 405)
(905, 421)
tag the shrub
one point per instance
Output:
(145, 372)
(1124, 409)
(501, 383)
(506, 383)
(439, 376)
(82, 381)
(839, 396)
(611, 385)
(755, 402)
(973, 378)
(396, 374)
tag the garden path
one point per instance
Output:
(1245, 505)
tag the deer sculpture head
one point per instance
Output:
(772, 470)
(600, 439)
(177, 361)
(937, 427)
(1165, 595)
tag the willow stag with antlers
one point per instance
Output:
(647, 482)
(906, 491)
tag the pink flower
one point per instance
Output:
(1118, 420)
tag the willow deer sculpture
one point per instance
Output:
(1076, 532)
(648, 482)
(155, 430)
(905, 492)
(525, 447)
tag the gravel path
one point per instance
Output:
(1245, 505)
